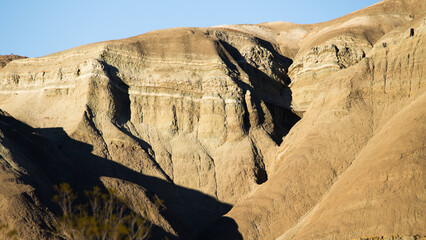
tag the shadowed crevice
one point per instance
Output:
(282, 116)
(120, 93)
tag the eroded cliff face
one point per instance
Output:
(322, 49)
(354, 165)
(201, 118)
(198, 109)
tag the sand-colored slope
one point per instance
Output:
(341, 43)
(345, 121)
(319, 50)
(199, 117)
(183, 106)
(382, 192)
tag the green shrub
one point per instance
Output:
(104, 216)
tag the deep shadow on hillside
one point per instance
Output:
(51, 157)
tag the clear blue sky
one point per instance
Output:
(36, 28)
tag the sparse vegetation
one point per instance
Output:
(104, 216)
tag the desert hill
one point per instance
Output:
(269, 131)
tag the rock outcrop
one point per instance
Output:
(319, 50)
(354, 165)
(197, 109)
(205, 119)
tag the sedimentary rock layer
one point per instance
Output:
(354, 165)
(205, 119)
(197, 109)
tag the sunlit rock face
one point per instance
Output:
(197, 108)
(353, 166)
(207, 120)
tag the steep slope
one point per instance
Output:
(181, 107)
(319, 50)
(331, 46)
(385, 182)
(204, 119)
(354, 165)
(19, 205)
(32, 163)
